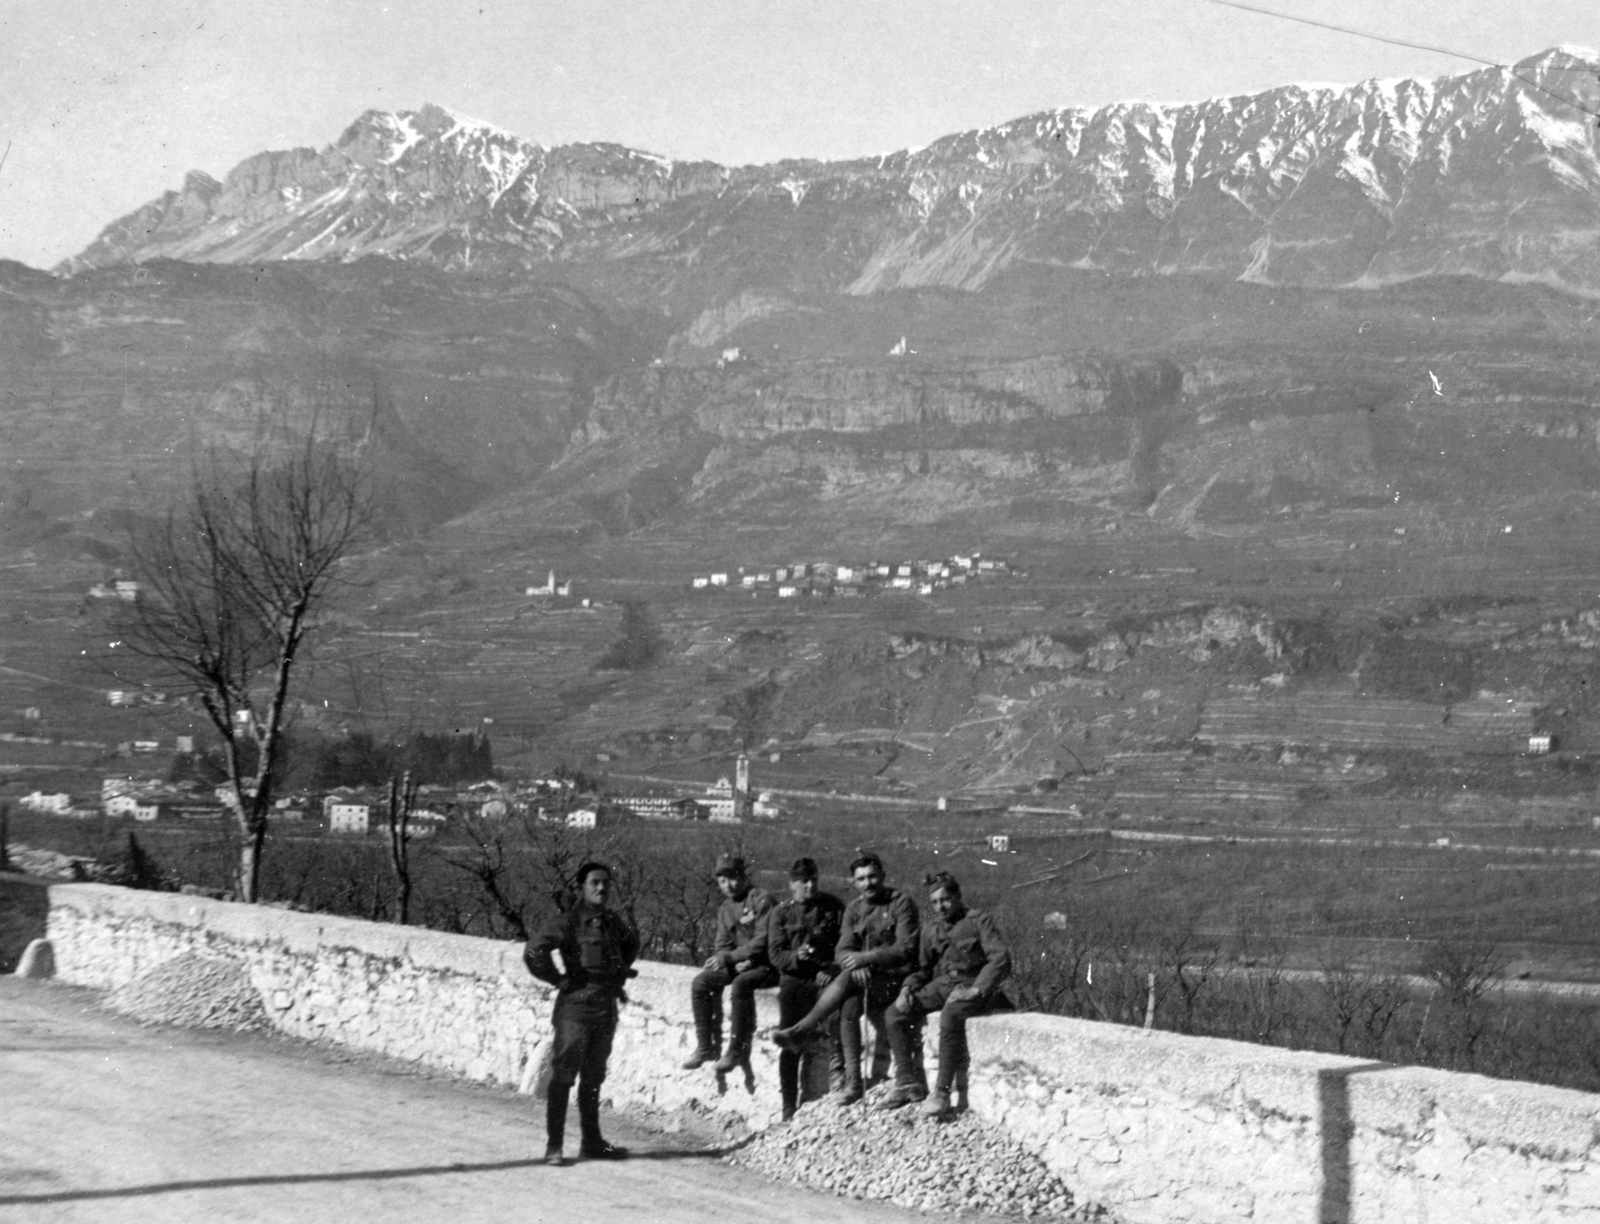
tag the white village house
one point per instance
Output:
(346, 816)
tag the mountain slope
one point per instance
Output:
(1492, 174)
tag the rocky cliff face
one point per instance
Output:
(748, 401)
(1492, 174)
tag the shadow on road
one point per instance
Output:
(301, 1179)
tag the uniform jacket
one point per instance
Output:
(885, 930)
(597, 947)
(742, 927)
(812, 924)
(971, 948)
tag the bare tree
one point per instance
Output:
(397, 819)
(233, 582)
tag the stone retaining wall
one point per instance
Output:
(1155, 1126)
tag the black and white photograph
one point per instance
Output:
(720, 610)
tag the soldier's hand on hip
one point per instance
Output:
(824, 978)
(962, 993)
(743, 966)
(714, 961)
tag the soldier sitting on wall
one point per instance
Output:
(738, 961)
(801, 936)
(877, 946)
(597, 953)
(961, 962)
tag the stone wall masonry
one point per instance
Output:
(1155, 1126)
(458, 1003)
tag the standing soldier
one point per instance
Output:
(961, 962)
(739, 960)
(801, 936)
(597, 953)
(877, 946)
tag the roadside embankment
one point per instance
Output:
(1154, 1126)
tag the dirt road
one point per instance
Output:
(102, 1120)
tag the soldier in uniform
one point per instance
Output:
(877, 947)
(801, 936)
(961, 961)
(597, 953)
(738, 964)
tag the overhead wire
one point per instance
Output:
(1575, 103)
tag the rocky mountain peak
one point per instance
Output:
(1492, 173)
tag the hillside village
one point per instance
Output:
(576, 802)
(822, 579)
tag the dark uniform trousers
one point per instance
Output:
(585, 1024)
(905, 1032)
(796, 997)
(873, 1002)
(705, 998)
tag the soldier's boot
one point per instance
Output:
(707, 1030)
(961, 1090)
(901, 1095)
(738, 1052)
(706, 1042)
(937, 1105)
(594, 1146)
(882, 1057)
(919, 1068)
(852, 1091)
(790, 1069)
(555, 1122)
(699, 1058)
(850, 1048)
(792, 1038)
(835, 1063)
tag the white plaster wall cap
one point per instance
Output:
(1561, 1122)
(440, 951)
(380, 939)
(1558, 1123)
(107, 899)
(1186, 1066)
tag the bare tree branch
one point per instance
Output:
(233, 581)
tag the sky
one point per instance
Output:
(105, 104)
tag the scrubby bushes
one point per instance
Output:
(1455, 1011)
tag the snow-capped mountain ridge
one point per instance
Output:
(1492, 173)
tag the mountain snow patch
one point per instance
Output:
(404, 135)
(1556, 133)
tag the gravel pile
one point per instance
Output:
(910, 1160)
(193, 991)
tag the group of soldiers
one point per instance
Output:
(832, 964)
